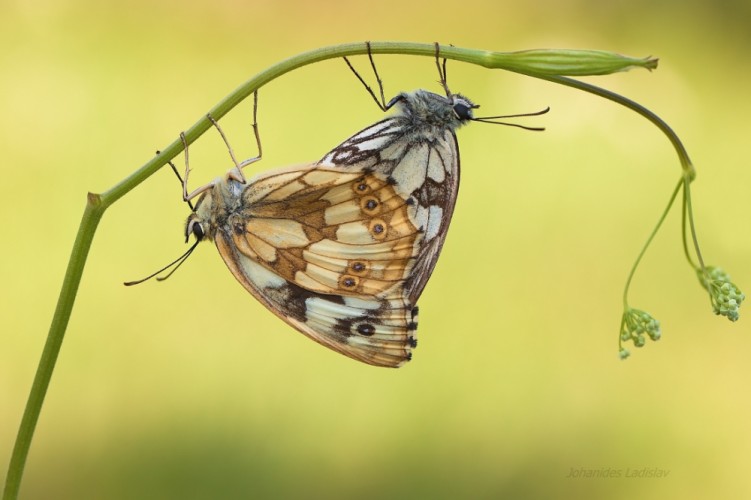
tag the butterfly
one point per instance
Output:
(341, 249)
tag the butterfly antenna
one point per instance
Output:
(382, 102)
(494, 120)
(177, 263)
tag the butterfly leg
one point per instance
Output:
(441, 69)
(189, 196)
(247, 162)
(179, 178)
(382, 102)
(236, 173)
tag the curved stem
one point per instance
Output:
(686, 164)
(545, 64)
(649, 241)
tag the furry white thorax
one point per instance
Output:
(426, 108)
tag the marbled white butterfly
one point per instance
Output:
(342, 249)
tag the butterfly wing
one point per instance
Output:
(422, 165)
(342, 249)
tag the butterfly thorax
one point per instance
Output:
(426, 109)
(215, 208)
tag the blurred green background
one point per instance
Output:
(190, 389)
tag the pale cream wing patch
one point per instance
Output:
(350, 238)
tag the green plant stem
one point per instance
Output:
(649, 241)
(92, 214)
(564, 63)
(688, 215)
(686, 164)
(543, 64)
(684, 232)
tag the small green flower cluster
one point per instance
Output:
(726, 297)
(634, 325)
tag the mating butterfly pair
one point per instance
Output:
(342, 249)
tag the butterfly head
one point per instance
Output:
(463, 107)
(202, 218)
(425, 108)
(195, 227)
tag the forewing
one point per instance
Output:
(343, 233)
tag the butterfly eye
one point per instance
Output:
(463, 111)
(193, 226)
(463, 107)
